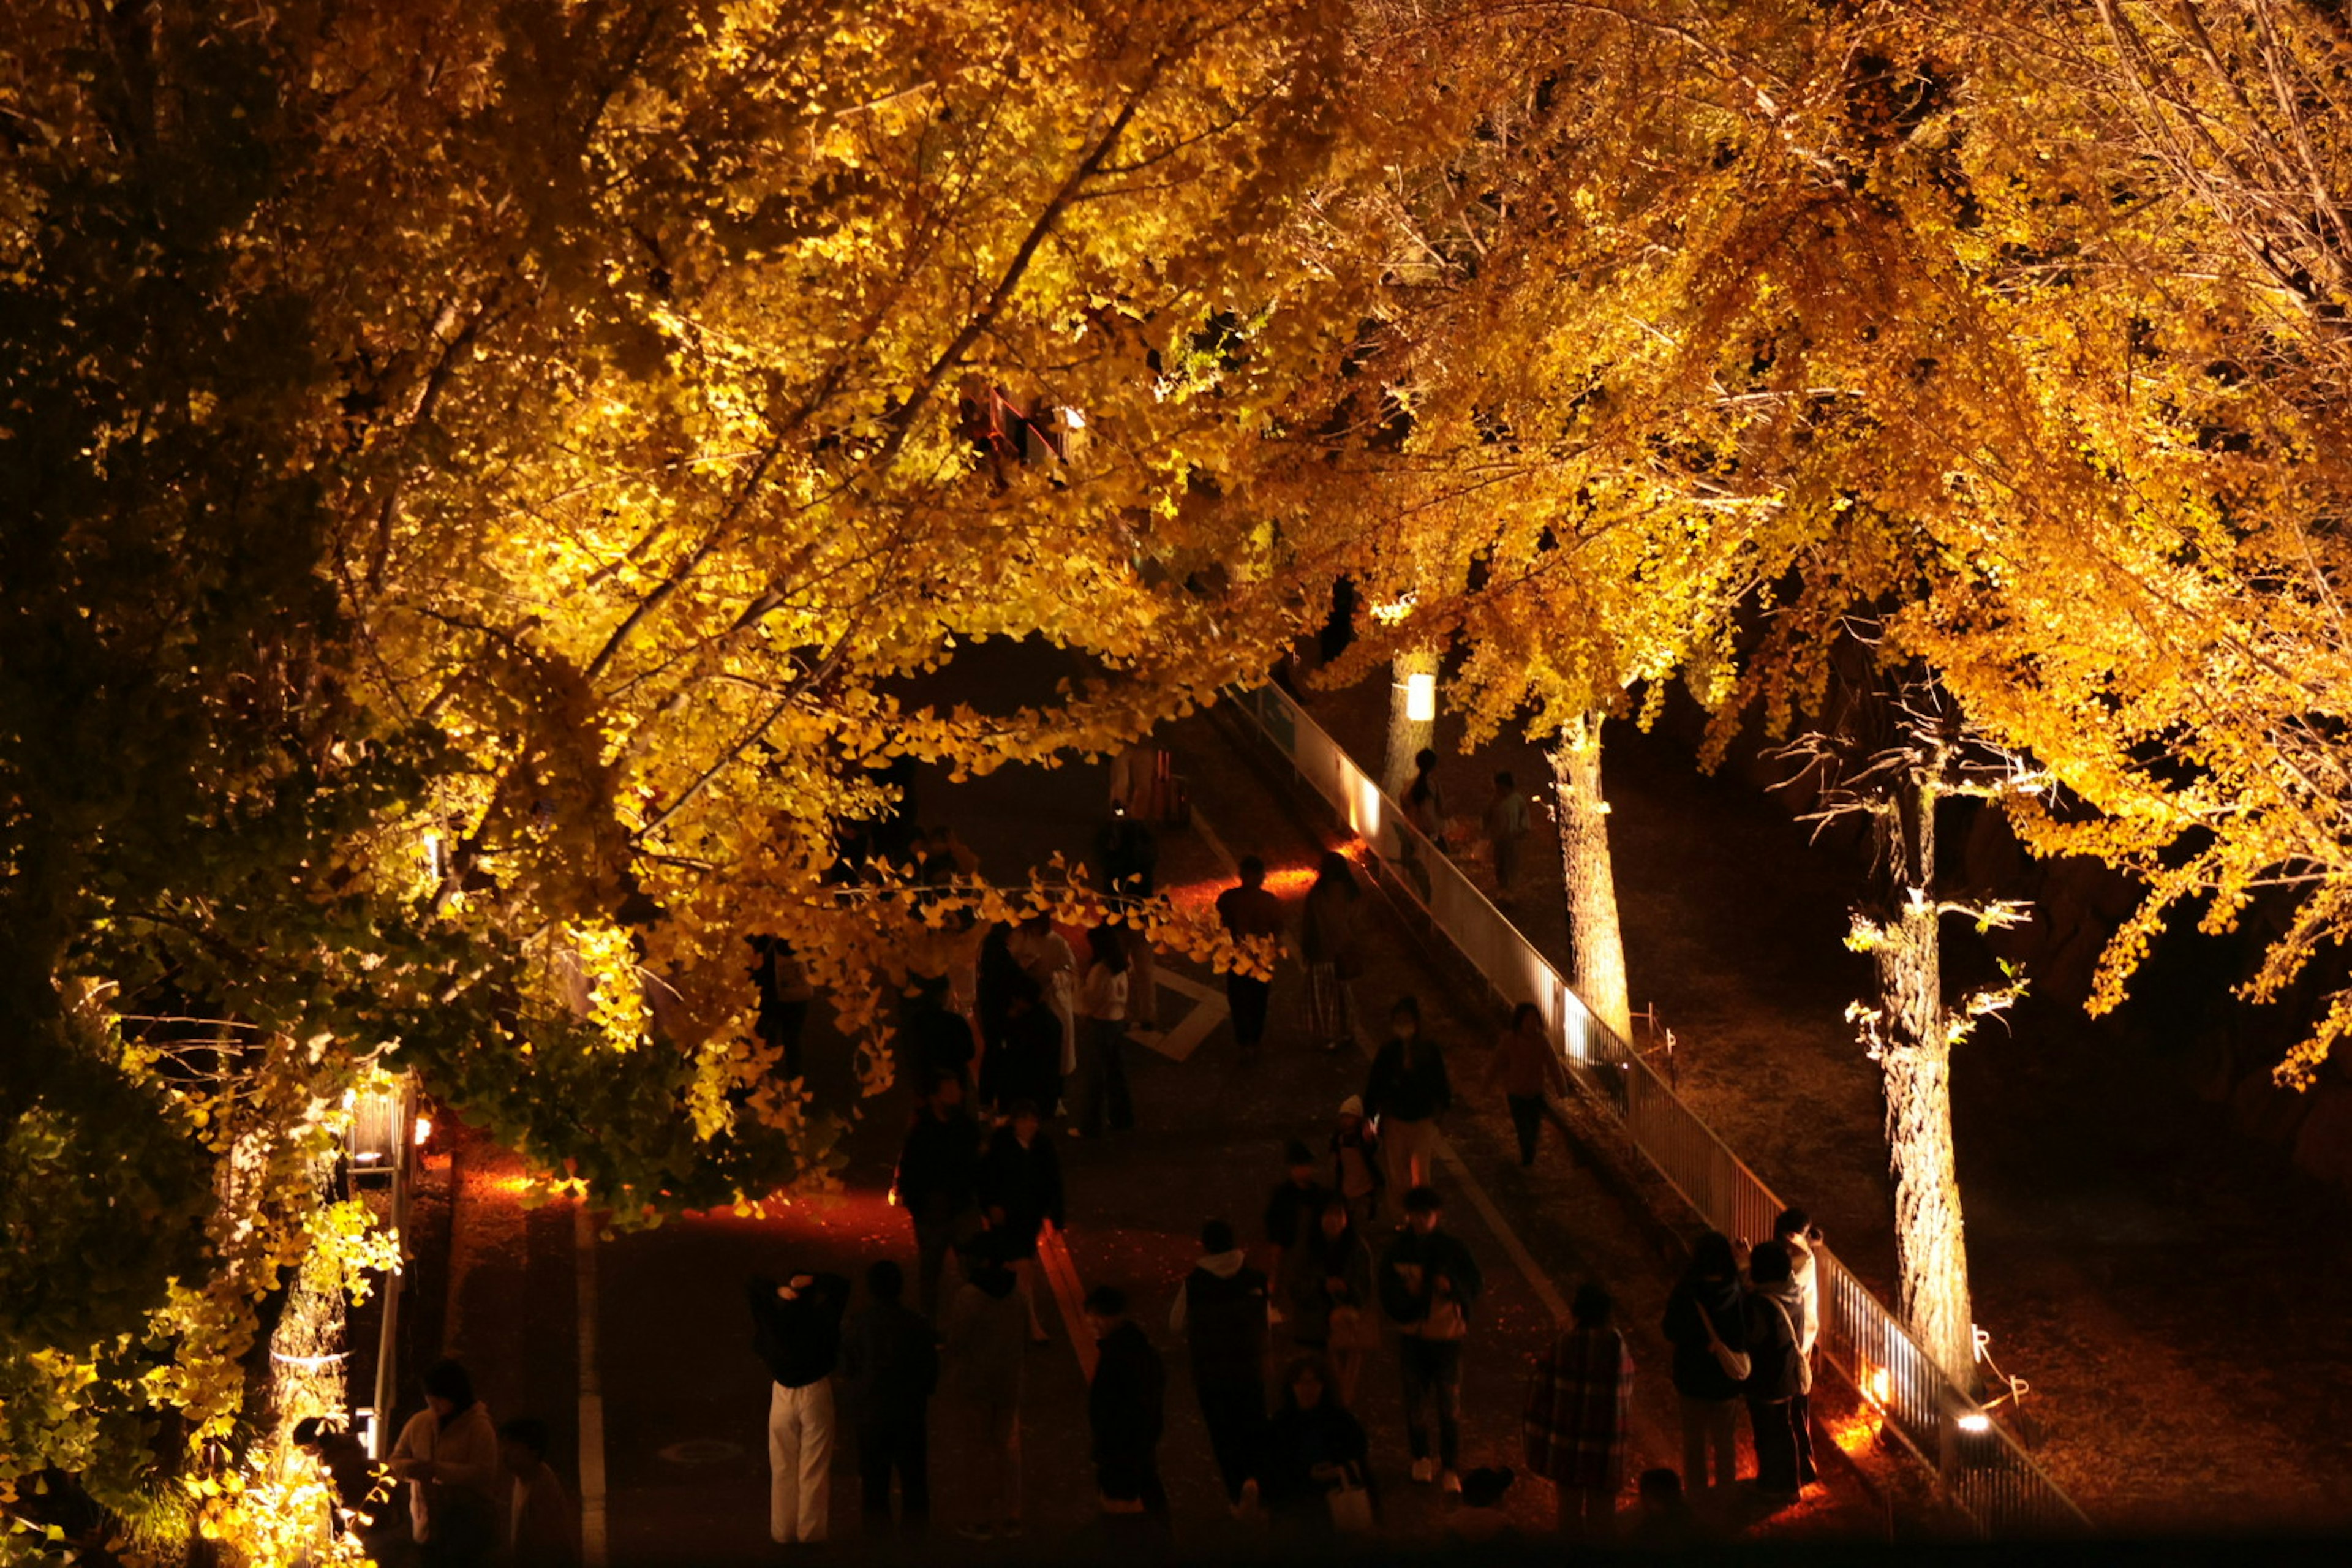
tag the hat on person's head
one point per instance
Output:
(1352, 1106)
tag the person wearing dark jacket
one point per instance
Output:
(1027, 1063)
(1778, 1373)
(1428, 1285)
(797, 1332)
(889, 1368)
(996, 975)
(1704, 1312)
(1292, 1210)
(938, 1184)
(1223, 1311)
(1314, 1447)
(1125, 1408)
(1406, 1093)
(1249, 913)
(938, 1037)
(1020, 1193)
(1327, 1296)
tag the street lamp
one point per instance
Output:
(1421, 698)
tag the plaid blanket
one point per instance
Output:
(1579, 1405)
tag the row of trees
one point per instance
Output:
(482, 474)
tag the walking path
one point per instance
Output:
(682, 1400)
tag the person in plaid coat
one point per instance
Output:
(1579, 1405)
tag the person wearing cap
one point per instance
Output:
(1429, 1284)
(1356, 1172)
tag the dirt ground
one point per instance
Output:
(2172, 1292)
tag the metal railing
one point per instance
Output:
(1979, 1464)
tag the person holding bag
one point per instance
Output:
(1428, 1283)
(1706, 1324)
(1327, 1295)
(1779, 1374)
(1317, 1462)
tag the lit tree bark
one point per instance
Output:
(1407, 737)
(1910, 1033)
(1590, 882)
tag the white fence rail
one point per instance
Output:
(1982, 1470)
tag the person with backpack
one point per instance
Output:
(1222, 1310)
(1778, 1372)
(1428, 1284)
(1579, 1415)
(1705, 1322)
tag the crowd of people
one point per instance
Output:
(478, 1490)
(1352, 1257)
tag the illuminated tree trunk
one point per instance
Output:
(1910, 1033)
(1408, 737)
(1588, 880)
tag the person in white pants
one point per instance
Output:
(799, 1337)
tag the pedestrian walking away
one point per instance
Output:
(987, 1338)
(937, 1183)
(1506, 830)
(1778, 1372)
(1424, 801)
(1318, 1464)
(1020, 1193)
(1249, 913)
(1406, 1093)
(1126, 1406)
(1795, 1230)
(1579, 1411)
(1127, 857)
(1526, 1067)
(1105, 997)
(1222, 1310)
(1325, 1289)
(889, 1366)
(1706, 1324)
(448, 1455)
(1331, 947)
(1356, 1164)
(1291, 1211)
(1429, 1284)
(542, 1521)
(797, 1334)
(1028, 1063)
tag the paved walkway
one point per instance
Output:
(683, 1401)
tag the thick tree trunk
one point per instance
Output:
(1911, 1037)
(1588, 879)
(1407, 737)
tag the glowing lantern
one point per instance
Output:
(1421, 699)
